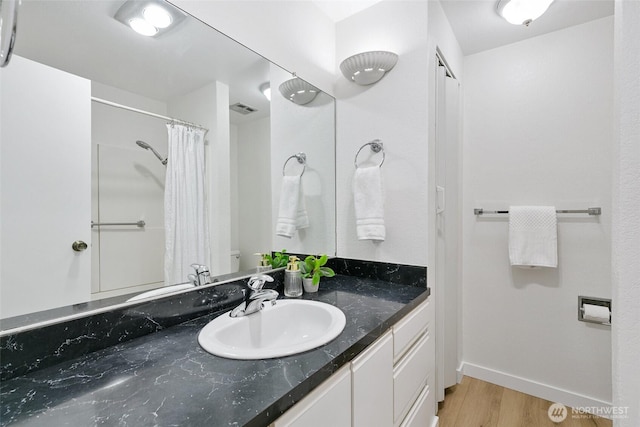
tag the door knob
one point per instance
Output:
(79, 246)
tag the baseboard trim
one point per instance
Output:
(435, 422)
(533, 388)
(460, 373)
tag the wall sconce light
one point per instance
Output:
(149, 18)
(368, 67)
(298, 91)
(522, 12)
(265, 89)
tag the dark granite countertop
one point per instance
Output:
(166, 379)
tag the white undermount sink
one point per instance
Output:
(286, 328)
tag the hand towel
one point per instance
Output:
(533, 236)
(292, 214)
(302, 219)
(369, 203)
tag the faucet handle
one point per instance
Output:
(199, 268)
(257, 282)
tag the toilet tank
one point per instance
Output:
(234, 262)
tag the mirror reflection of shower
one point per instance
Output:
(146, 146)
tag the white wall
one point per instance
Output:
(208, 106)
(393, 110)
(234, 226)
(127, 186)
(254, 191)
(304, 128)
(538, 122)
(293, 34)
(626, 215)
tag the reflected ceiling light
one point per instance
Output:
(298, 91)
(265, 88)
(157, 16)
(368, 67)
(522, 12)
(149, 17)
(142, 27)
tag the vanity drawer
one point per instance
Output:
(410, 377)
(419, 415)
(407, 331)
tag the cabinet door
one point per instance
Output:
(372, 387)
(327, 405)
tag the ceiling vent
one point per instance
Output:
(241, 108)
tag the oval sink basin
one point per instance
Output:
(286, 328)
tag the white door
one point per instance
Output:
(447, 228)
(45, 176)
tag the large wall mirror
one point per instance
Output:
(82, 160)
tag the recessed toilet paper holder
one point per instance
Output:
(582, 301)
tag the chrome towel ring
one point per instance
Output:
(376, 147)
(301, 158)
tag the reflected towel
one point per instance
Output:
(533, 236)
(369, 203)
(292, 214)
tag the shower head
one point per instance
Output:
(143, 145)
(146, 146)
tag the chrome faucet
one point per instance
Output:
(202, 276)
(255, 296)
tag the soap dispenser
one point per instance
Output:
(292, 278)
(263, 263)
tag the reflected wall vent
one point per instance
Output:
(241, 108)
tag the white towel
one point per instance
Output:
(533, 236)
(292, 214)
(369, 203)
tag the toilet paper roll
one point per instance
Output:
(596, 313)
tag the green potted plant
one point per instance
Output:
(312, 269)
(279, 259)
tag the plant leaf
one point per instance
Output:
(327, 272)
(316, 278)
(323, 260)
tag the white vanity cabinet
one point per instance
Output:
(372, 384)
(414, 363)
(387, 385)
(327, 405)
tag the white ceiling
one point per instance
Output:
(478, 26)
(83, 38)
(337, 10)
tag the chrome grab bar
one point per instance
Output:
(140, 223)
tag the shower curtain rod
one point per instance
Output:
(148, 113)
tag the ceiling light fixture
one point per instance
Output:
(265, 88)
(298, 91)
(522, 12)
(142, 27)
(157, 16)
(149, 17)
(368, 67)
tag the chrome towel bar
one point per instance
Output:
(590, 211)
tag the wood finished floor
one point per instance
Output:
(476, 403)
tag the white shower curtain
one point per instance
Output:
(185, 208)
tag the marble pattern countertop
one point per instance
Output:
(166, 379)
